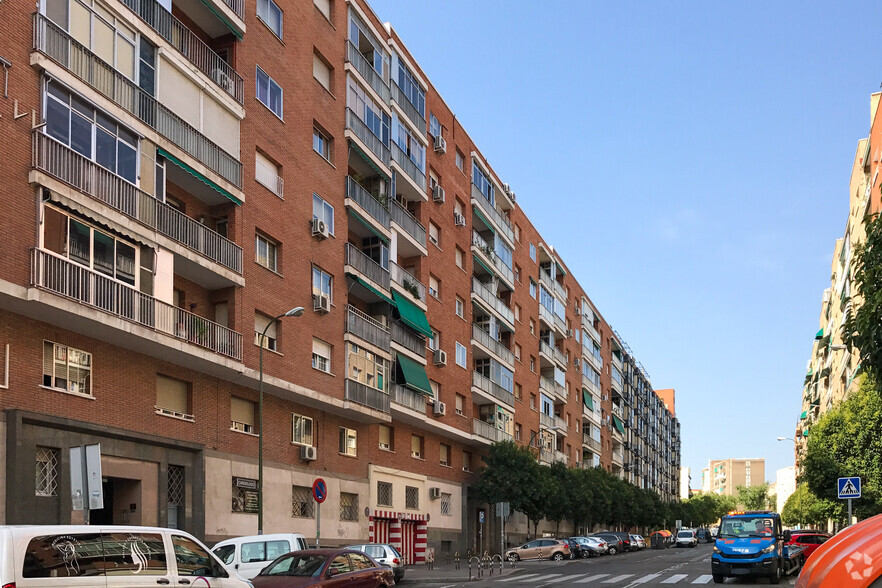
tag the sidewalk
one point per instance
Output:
(444, 572)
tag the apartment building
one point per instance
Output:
(177, 182)
(723, 476)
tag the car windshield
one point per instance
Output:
(296, 565)
(747, 527)
(685, 534)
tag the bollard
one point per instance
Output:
(485, 562)
(500, 564)
(480, 569)
(456, 559)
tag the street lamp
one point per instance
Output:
(297, 311)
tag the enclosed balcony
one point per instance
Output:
(367, 71)
(413, 174)
(497, 220)
(552, 355)
(366, 396)
(552, 285)
(401, 100)
(367, 138)
(553, 389)
(360, 264)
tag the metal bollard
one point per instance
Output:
(500, 564)
(480, 568)
(456, 559)
(485, 562)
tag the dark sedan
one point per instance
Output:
(324, 568)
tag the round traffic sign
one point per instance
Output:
(319, 490)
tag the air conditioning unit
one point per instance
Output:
(440, 357)
(569, 333)
(416, 454)
(458, 219)
(440, 409)
(308, 453)
(319, 228)
(438, 194)
(440, 144)
(506, 188)
(577, 362)
(322, 304)
(577, 311)
(434, 493)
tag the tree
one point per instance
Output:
(805, 509)
(754, 497)
(536, 495)
(505, 471)
(559, 486)
(863, 326)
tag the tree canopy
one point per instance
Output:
(863, 326)
(754, 497)
(807, 510)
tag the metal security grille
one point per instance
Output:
(47, 471)
(445, 504)
(348, 506)
(176, 485)
(384, 493)
(302, 504)
(412, 497)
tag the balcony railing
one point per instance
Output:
(56, 44)
(367, 266)
(553, 285)
(588, 326)
(589, 441)
(546, 315)
(192, 47)
(484, 338)
(494, 302)
(409, 109)
(406, 280)
(561, 424)
(560, 456)
(402, 217)
(237, 6)
(366, 327)
(617, 410)
(597, 362)
(489, 432)
(59, 275)
(367, 136)
(367, 201)
(374, 79)
(618, 457)
(553, 387)
(546, 420)
(484, 383)
(366, 396)
(501, 221)
(88, 177)
(408, 398)
(409, 167)
(553, 353)
(485, 248)
(408, 339)
(503, 270)
(269, 178)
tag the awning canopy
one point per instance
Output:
(619, 425)
(364, 156)
(199, 176)
(223, 19)
(369, 226)
(412, 315)
(483, 218)
(803, 415)
(484, 265)
(587, 399)
(414, 375)
(819, 334)
(560, 267)
(372, 289)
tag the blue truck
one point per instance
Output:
(753, 543)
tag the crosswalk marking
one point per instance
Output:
(674, 579)
(621, 578)
(517, 578)
(702, 579)
(646, 578)
(545, 577)
(590, 578)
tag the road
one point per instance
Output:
(668, 567)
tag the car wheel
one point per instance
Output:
(776, 577)
(558, 556)
(514, 557)
(718, 579)
(572, 555)
(613, 550)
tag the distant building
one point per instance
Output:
(785, 485)
(705, 480)
(685, 482)
(667, 398)
(725, 475)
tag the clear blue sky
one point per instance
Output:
(690, 161)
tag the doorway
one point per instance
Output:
(122, 503)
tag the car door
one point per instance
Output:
(134, 559)
(364, 571)
(193, 562)
(62, 560)
(339, 573)
(529, 550)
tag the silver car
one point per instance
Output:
(639, 541)
(385, 555)
(601, 547)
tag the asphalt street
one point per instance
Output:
(668, 567)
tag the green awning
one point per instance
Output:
(484, 265)
(619, 425)
(803, 415)
(560, 268)
(371, 288)
(805, 433)
(369, 226)
(223, 19)
(816, 402)
(819, 334)
(484, 219)
(368, 160)
(412, 315)
(587, 399)
(197, 174)
(414, 375)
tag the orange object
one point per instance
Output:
(850, 559)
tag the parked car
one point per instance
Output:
(556, 549)
(324, 568)
(686, 538)
(575, 548)
(587, 547)
(639, 541)
(625, 537)
(385, 555)
(246, 556)
(849, 558)
(703, 536)
(614, 542)
(808, 540)
(601, 547)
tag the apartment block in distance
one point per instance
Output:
(178, 175)
(723, 476)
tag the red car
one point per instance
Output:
(325, 568)
(810, 540)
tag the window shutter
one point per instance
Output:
(171, 394)
(321, 348)
(321, 72)
(415, 444)
(260, 323)
(324, 7)
(241, 410)
(385, 436)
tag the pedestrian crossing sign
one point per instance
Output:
(849, 487)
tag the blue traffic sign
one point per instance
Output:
(849, 487)
(319, 490)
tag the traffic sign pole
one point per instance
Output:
(319, 493)
(849, 513)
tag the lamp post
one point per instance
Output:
(297, 311)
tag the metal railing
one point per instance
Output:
(367, 201)
(481, 243)
(408, 398)
(191, 46)
(553, 285)
(366, 327)
(65, 164)
(561, 424)
(409, 109)
(553, 353)
(597, 362)
(503, 270)
(56, 44)
(589, 441)
(373, 78)
(408, 339)
(59, 275)
(484, 383)
(546, 315)
(408, 165)
(560, 323)
(269, 178)
(356, 258)
(484, 338)
(503, 224)
(367, 136)
(402, 217)
(588, 326)
(495, 303)
(546, 420)
(488, 431)
(553, 387)
(366, 396)
(406, 280)
(237, 6)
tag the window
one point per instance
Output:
(271, 14)
(302, 428)
(66, 368)
(321, 143)
(266, 172)
(323, 211)
(348, 441)
(348, 506)
(267, 252)
(517, 232)
(517, 273)
(446, 504)
(459, 258)
(532, 327)
(436, 389)
(445, 455)
(434, 126)
(173, 397)
(324, 6)
(517, 352)
(47, 471)
(264, 324)
(532, 252)
(434, 287)
(518, 391)
(302, 502)
(532, 289)
(517, 434)
(460, 161)
(434, 342)
(269, 92)
(460, 307)
(387, 438)
(434, 234)
(461, 355)
(384, 494)
(321, 71)
(532, 364)
(482, 182)
(244, 495)
(416, 446)
(242, 415)
(411, 497)
(366, 368)
(517, 312)
(533, 401)
(321, 356)
(466, 461)
(460, 403)
(321, 284)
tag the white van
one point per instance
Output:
(246, 556)
(107, 556)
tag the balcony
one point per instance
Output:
(553, 388)
(553, 285)
(494, 303)
(617, 410)
(595, 361)
(560, 424)
(494, 390)
(407, 281)
(553, 354)
(367, 202)
(501, 222)
(410, 168)
(190, 46)
(409, 223)
(618, 457)
(588, 327)
(415, 117)
(366, 266)
(86, 176)
(408, 339)
(237, 6)
(560, 456)
(370, 75)
(56, 44)
(484, 339)
(546, 315)
(617, 363)
(366, 328)
(546, 420)
(489, 432)
(371, 141)
(366, 396)
(590, 442)
(408, 398)
(59, 275)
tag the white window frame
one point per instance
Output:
(266, 172)
(262, 77)
(318, 359)
(348, 442)
(326, 210)
(302, 438)
(461, 350)
(434, 292)
(324, 278)
(270, 262)
(264, 16)
(460, 307)
(321, 143)
(83, 362)
(271, 339)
